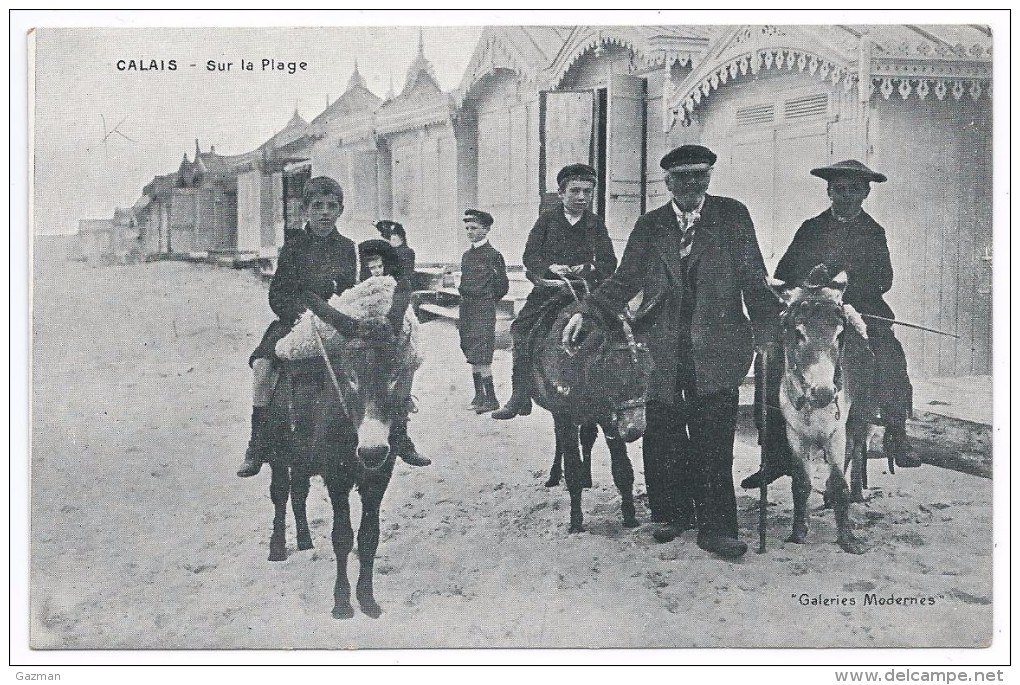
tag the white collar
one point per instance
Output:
(679, 212)
(481, 242)
(572, 220)
(846, 220)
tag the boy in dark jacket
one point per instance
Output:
(315, 263)
(483, 283)
(566, 241)
(314, 259)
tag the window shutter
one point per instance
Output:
(806, 107)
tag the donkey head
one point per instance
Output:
(372, 378)
(812, 322)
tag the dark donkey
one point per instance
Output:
(330, 416)
(825, 394)
(604, 382)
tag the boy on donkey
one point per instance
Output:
(315, 263)
(567, 240)
(483, 283)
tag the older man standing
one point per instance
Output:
(697, 261)
(845, 238)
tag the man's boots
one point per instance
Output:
(401, 444)
(479, 392)
(896, 443)
(519, 403)
(489, 401)
(256, 452)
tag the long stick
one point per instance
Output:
(763, 488)
(909, 325)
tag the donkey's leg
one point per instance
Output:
(279, 490)
(588, 432)
(300, 484)
(343, 542)
(801, 476)
(573, 471)
(857, 455)
(556, 472)
(836, 485)
(623, 475)
(368, 541)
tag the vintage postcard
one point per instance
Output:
(266, 254)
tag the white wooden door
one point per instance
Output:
(798, 195)
(625, 157)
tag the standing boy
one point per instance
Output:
(483, 283)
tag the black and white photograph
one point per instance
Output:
(489, 331)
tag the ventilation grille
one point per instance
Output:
(809, 106)
(758, 114)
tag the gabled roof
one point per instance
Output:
(422, 101)
(295, 128)
(357, 102)
(652, 45)
(122, 216)
(906, 59)
(213, 163)
(526, 50)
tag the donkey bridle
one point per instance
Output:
(794, 369)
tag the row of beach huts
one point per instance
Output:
(773, 101)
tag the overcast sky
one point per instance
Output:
(86, 110)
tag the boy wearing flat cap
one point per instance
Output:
(845, 238)
(566, 241)
(483, 283)
(697, 262)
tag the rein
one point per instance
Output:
(332, 373)
(360, 462)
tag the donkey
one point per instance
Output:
(824, 394)
(331, 416)
(602, 382)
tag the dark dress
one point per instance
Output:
(483, 283)
(307, 263)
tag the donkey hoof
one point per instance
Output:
(369, 606)
(277, 549)
(797, 538)
(552, 482)
(852, 545)
(305, 542)
(857, 497)
(630, 522)
(343, 610)
(576, 528)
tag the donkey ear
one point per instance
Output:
(839, 281)
(780, 289)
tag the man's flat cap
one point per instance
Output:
(848, 168)
(688, 158)
(578, 171)
(478, 216)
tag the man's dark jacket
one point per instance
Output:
(858, 247)
(725, 268)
